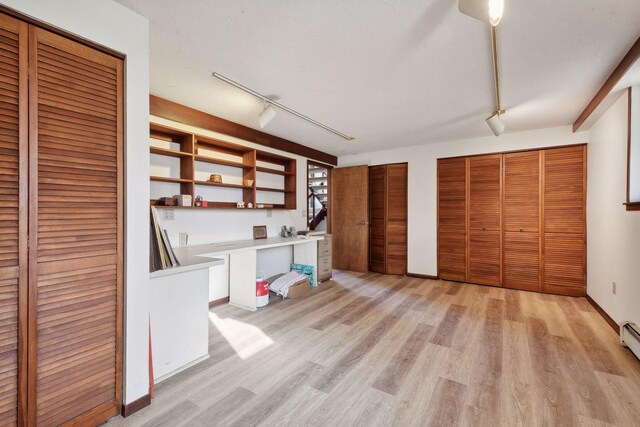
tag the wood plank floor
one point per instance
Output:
(374, 350)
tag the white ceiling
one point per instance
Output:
(390, 73)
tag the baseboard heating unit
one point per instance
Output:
(630, 336)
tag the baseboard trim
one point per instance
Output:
(422, 276)
(218, 302)
(136, 405)
(604, 315)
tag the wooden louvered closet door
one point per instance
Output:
(564, 221)
(452, 211)
(377, 218)
(396, 229)
(484, 240)
(75, 264)
(13, 218)
(521, 221)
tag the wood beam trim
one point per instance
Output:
(624, 65)
(180, 113)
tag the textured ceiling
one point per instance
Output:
(390, 73)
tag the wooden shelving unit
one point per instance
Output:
(197, 157)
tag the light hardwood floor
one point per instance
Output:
(374, 350)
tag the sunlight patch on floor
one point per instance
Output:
(245, 338)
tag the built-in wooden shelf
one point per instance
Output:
(169, 179)
(191, 148)
(221, 162)
(221, 184)
(170, 153)
(274, 171)
(273, 190)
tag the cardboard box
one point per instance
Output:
(299, 290)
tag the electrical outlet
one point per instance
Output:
(269, 213)
(168, 214)
(184, 239)
(613, 287)
(304, 213)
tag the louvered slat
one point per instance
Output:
(522, 260)
(377, 218)
(77, 227)
(484, 257)
(396, 233)
(452, 194)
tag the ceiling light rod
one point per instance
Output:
(283, 107)
(496, 72)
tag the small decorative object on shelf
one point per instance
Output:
(215, 178)
(167, 201)
(240, 205)
(288, 232)
(198, 202)
(248, 182)
(183, 199)
(250, 205)
(260, 232)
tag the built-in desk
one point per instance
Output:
(242, 262)
(180, 296)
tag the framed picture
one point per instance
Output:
(259, 231)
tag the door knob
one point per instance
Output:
(521, 229)
(484, 228)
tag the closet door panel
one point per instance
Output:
(522, 191)
(485, 178)
(564, 264)
(76, 232)
(564, 190)
(397, 219)
(13, 220)
(452, 259)
(522, 261)
(484, 257)
(452, 194)
(377, 219)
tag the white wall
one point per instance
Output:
(613, 248)
(112, 25)
(422, 160)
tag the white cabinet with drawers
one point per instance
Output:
(324, 258)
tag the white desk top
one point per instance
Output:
(204, 256)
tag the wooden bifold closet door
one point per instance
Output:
(452, 214)
(522, 221)
(13, 219)
(521, 224)
(388, 218)
(61, 205)
(565, 221)
(484, 201)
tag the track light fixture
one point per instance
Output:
(267, 114)
(489, 11)
(496, 124)
(270, 112)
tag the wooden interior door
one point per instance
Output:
(484, 206)
(75, 223)
(350, 218)
(378, 219)
(452, 211)
(396, 227)
(13, 218)
(564, 184)
(521, 221)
